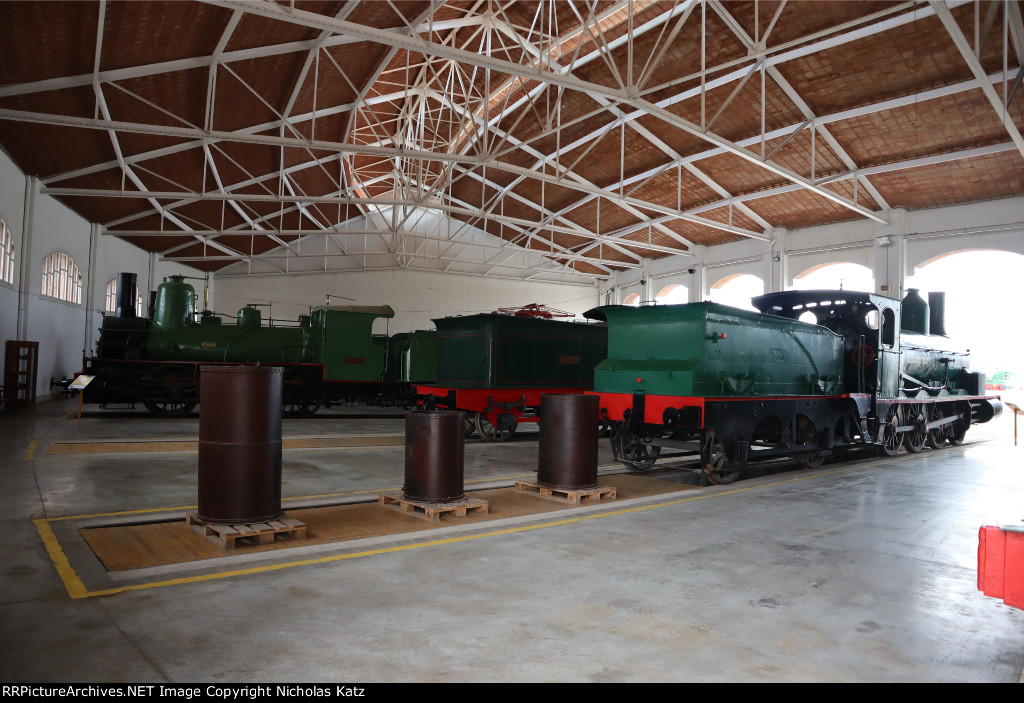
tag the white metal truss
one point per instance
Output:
(432, 131)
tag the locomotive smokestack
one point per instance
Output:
(937, 313)
(126, 295)
(915, 313)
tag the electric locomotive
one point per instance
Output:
(734, 387)
(329, 355)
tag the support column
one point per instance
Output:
(698, 280)
(890, 257)
(777, 262)
(25, 275)
(90, 290)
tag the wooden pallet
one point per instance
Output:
(433, 511)
(262, 532)
(575, 496)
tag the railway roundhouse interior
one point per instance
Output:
(354, 342)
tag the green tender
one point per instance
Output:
(504, 351)
(706, 349)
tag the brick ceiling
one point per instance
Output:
(583, 136)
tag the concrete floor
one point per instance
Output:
(857, 572)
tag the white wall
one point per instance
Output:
(416, 296)
(64, 330)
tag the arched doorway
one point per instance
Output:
(737, 290)
(983, 298)
(836, 275)
(673, 294)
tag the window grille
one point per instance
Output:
(61, 278)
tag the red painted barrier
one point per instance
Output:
(1001, 564)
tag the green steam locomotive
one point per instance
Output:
(811, 372)
(330, 355)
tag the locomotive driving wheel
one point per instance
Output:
(916, 414)
(937, 437)
(958, 430)
(714, 459)
(486, 429)
(169, 409)
(892, 438)
(172, 381)
(636, 454)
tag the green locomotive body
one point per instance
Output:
(706, 349)
(412, 357)
(329, 355)
(731, 386)
(496, 366)
(506, 351)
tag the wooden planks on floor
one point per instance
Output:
(125, 547)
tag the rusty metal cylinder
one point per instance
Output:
(434, 456)
(568, 441)
(239, 443)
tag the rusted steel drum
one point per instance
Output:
(434, 456)
(239, 443)
(568, 441)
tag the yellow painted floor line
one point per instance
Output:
(31, 451)
(191, 446)
(76, 589)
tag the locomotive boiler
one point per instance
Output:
(811, 372)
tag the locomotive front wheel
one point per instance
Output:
(488, 431)
(636, 455)
(169, 410)
(469, 424)
(713, 458)
(958, 430)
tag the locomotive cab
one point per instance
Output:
(868, 323)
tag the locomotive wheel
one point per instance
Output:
(714, 459)
(937, 437)
(958, 430)
(807, 435)
(916, 414)
(174, 381)
(892, 438)
(469, 426)
(485, 429)
(301, 408)
(169, 410)
(634, 453)
(302, 394)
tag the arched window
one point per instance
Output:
(6, 254)
(110, 299)
(61, 278)
(632, 299)
(110, 304)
